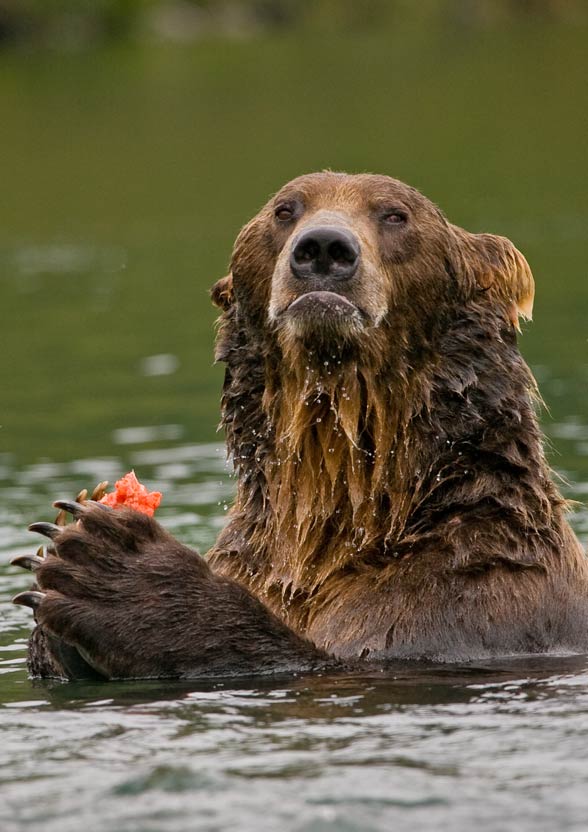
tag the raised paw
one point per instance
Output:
(104, 578)
(118, 597)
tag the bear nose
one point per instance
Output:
(325, 252)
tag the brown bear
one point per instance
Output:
(393, 498)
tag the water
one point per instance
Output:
(412, 749)
(126, 175)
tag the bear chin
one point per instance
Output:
(328, 315)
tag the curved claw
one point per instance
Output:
(50, 530)
(61, 519)
(99, 491)
(30, 599)
(30, 562)
(71, 506)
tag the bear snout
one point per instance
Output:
(323, 254)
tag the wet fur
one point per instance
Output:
(124, 599)
(426, 487)
(393, 497)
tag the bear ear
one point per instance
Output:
(498, 268)
(222, 294)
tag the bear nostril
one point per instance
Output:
(342, 253)
(307, 251)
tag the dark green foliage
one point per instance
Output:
(78, 23)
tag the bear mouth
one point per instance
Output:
(327, 310)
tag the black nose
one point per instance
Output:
(325, 252)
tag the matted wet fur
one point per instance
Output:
(393, 498)
(392, 478)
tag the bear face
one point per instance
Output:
(333, 258)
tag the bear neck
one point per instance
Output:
(318, 448)
(331, 480)
(343, 466)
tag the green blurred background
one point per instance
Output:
(137, 136)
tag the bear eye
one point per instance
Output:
(394, 217)
(284, 212)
